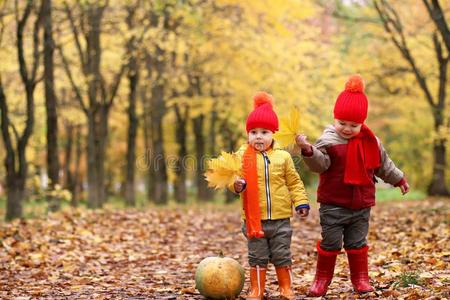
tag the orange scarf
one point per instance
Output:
(363, 153)
(251, 194)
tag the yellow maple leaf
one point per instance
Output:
(223, 170)
(289, 128)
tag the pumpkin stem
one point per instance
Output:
(221, 253)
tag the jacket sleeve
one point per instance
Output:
(295, 184)
(318, 160)
(388, 172)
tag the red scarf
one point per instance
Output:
(251, 194)
(363, 153)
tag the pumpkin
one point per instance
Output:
(219, 278)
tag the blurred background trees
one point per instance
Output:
(127, 100)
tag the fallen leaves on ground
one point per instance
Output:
(153, 254)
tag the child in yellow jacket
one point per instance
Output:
(269, 189)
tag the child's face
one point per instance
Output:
(260, 138)
(347, 129)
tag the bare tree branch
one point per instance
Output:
(436, 13)
(76, 36)
(5, 121)
(443, 63)
(393, 26)
(36, 41)
(76, 89)
(116, 84)
(20, 29)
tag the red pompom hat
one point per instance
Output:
(263, 115)
(351, 104)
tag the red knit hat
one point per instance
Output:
(263, 115)
(351, 104)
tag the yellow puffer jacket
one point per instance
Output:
(280, 186)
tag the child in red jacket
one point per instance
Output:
(348, 156)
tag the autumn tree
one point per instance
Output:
(394, 27)
(100, 95)
(15, 142)
(72, 160)
(157, 63)
(50, 104)
(133, 74)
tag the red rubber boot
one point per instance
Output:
(359, 269)
(326, 260)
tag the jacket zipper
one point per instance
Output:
(266, 172)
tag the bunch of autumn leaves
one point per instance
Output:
(225, 169)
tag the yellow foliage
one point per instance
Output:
(289, 128)
(224, 170)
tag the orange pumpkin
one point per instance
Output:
(219, 278)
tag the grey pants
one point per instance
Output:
(275, 246)
(340, 223)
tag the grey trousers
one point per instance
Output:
(343, 224)
(275, 246)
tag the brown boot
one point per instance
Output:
(257, 283)
(284, 275)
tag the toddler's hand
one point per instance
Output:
(302, 210)
(301, 141)
(404, 187)
(239, 185)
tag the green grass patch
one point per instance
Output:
(394, 194)
(408, 278)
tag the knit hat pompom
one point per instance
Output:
(355, 84)
(261, 98)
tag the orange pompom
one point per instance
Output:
(261, 98)
(355, 84)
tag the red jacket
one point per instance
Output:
(329, 157)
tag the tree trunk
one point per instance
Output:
(438, 185)
(95, 167)
(180, 191)
(133, 80)
(50, 105)
(212, 133)
(71, 177)
(97, 137)
(157, 176)
(212, 143)
(158, 160)
(15, 194)
(202, 184)
(130, 198)
(147, 155)
(93, 182)
(15, 160)
(75, 184)
(101, 153)
(68, 156)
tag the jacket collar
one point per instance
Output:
(275, 146)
